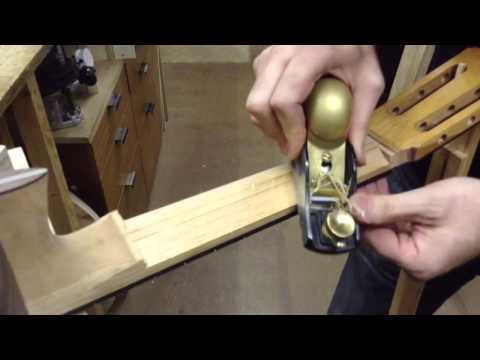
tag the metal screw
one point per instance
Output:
(327, 157)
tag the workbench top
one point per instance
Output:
(15, 62)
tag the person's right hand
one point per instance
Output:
(285, 77)
(427, 231)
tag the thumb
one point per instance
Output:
(376, 209)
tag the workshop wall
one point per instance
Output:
(194, 54)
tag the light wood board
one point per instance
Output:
(165, 237)
(15, 62)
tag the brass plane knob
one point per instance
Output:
(328, 111)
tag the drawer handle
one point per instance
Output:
(115, 101)
(143, 68)
(130, 181)
(120, 136)
(149, 108)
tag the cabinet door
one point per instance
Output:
(148, 106)
(134, 200)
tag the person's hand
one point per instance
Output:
(427, 231)
(285, 76)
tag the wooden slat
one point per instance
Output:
(33, 125)
(462, 152)
(413, 66)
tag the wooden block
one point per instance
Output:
(54, 273)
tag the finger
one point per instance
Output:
(370, 188)
(388, 209)
(261, 59)
(366, 93)
(376, 187)
(383, 240)
(258, 101)
(396, 246)
(382, 186)
(291, 92)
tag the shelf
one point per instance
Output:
(93, 106)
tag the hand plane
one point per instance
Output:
(325, 168)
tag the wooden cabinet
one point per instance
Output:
(148, 106)
(110, 159)
(135, 196)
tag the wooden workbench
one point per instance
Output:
(19, 93)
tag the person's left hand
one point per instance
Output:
(428, 231)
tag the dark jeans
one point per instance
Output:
(368, 280)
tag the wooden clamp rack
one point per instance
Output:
(59, 274)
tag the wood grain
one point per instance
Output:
(401, 133)
(33, 125)
(413, 66)
(15, 62)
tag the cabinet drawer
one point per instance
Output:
(134, 199)
(117, 169)
(113, 118)
(144, 86)
(147, 107)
